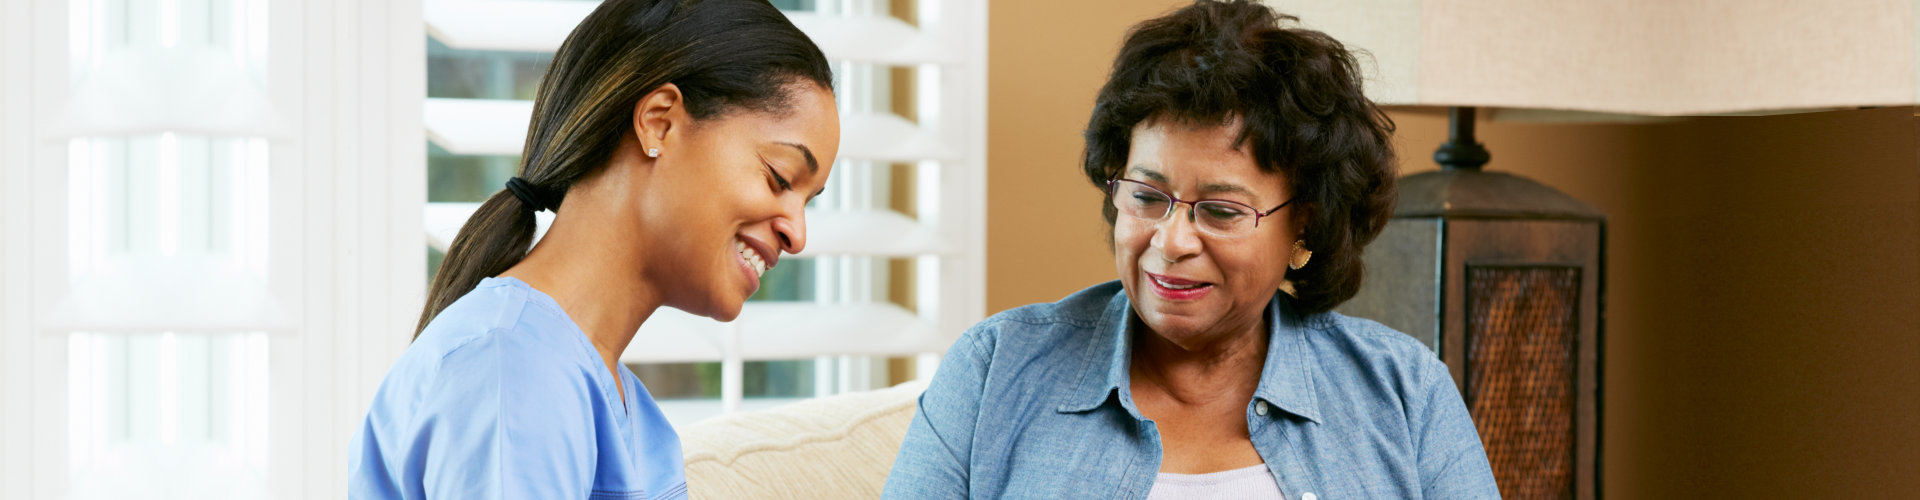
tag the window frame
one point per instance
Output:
(347, 194)
(343, 190)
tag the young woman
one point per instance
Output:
(677, 142)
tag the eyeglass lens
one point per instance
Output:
(1223, 218)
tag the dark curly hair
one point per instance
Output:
(1297, 96)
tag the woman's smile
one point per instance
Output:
(1177, 289)
(755, 258)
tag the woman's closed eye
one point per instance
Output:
(1148, 199)
(779, 181)
(1222, 212)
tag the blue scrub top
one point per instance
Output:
(502, 396)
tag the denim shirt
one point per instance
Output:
(1035, 403)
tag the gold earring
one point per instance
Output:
(1300, 255)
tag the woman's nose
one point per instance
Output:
(792, 231)
(1176, 235)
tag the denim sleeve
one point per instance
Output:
(1452, 462)
(934, 458)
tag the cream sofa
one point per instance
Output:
(838, 447)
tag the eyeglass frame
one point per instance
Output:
(1113, 184)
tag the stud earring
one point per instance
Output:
(1300, 255)
(653, 152)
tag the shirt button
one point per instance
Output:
(1260, 408)
(1308, 496)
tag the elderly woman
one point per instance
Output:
(1244, 171)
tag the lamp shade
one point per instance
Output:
(1647, 57)
(148, 90)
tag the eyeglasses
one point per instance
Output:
(1216, 217)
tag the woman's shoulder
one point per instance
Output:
(493, 305)
(1083, 308)
(1089, 310)
(1370, 336)
(497, 335)
(504, 311)
(1364, 349)
(470, 383)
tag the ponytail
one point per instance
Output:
(493, 240)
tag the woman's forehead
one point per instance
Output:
(1180, 144)
(809, 120)
(1205, 175)
(1224, 136)
(1206, 184)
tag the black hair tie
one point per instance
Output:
(530, 196)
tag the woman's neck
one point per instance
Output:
(1196, 374)
(596, 278)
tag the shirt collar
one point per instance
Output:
(1286, 379)
(1104, 367)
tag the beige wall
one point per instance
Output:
(1763, 302)
(1046, 59)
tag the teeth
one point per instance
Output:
(1173, 286)
(752, 257)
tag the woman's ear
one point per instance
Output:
(1297, 218)
(656, 115)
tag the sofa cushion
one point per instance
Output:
(834, 447)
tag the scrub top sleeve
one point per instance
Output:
(505, 427)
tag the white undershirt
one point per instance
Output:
(1251, 483)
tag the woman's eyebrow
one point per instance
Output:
(813, 166)
(1148, 173)
(1207, 188)
(1225, 187)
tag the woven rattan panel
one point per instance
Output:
(1522, 326)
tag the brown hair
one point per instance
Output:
(1297, 95)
